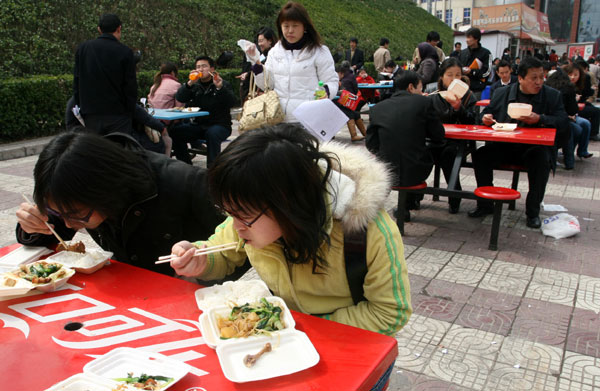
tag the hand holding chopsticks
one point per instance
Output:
(200, 251)
(47, 225)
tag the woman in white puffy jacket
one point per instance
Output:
(297, 62)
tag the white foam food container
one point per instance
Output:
(518, 110)
(458, 88)
(448, 95)
(191, 109)
(87, 263)
(52, 285)
(23, 255)
(82, 381)
(223, 312)
(119, 362)
(20, 286)
(291, 352)
(231, 292)
(505, 127)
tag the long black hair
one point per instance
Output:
(84, 169)
(446, 64)
(559, 79)
(277, 168)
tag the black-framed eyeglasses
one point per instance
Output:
(246, 223)
(83, 219)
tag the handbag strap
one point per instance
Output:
(252, 91)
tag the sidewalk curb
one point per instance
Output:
(23, 148)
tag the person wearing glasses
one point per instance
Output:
(292, 206)
(133, 202)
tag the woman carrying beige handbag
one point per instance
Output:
(260, 110)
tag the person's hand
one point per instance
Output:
(455, 103)
(193, 79)
(243, 76)
(217, 80)
(185, 263)
(487, 119)
(531, 119)
(32, 220)
(251, 51)
(466, 70)
(577, 97)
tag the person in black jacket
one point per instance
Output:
(210, 93)
(548, 112)
(355, 56)
(398, 129)
(132, 202)
(476, 61)
(451, 110)
(104, 81)
(505, 77)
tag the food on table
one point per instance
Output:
(246, 320)
(77, 247)
(10, 282)
(41, 272)
(146, 382)
(251, 359)
(504, 126)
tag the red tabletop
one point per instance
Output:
(541, 136)
(581, 106)
(482, 103)
(122, 305)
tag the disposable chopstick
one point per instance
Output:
(201, 251)
(48, 225)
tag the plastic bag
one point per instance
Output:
(245, 45)
(561, 226)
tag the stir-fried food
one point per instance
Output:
(248, 319)
(41, 272)
(146, 382)
(78, 247)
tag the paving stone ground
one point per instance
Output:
(525, 317)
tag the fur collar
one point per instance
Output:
(359, 188)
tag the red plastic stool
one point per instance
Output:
(402, 192)
(499, 195)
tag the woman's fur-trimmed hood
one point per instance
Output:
(360, 190)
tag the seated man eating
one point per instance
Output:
(548, 112)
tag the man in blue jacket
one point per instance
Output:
(548, 112)
(104, 82)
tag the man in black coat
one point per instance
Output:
(132, 202)
(476, 61)
(505, 77)
(548, 112)
(355, 56)
(399, 128)
(104, 81)
(210, 93)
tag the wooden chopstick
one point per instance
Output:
(48, 225)
(200, 251)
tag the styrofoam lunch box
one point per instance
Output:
(22, 255)
(458, 88)
(100, 374)
(517, 110)
(291, 352)
(23, 286)
(120, 361)
(87, 263)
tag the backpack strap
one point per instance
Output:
(355, 255)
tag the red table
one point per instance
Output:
(464, 133)
(483, 103)
(122, 305)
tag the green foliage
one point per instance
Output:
(39, 38)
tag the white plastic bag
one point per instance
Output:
(561, 226)
(245, 45)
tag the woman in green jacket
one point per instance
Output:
(291, 205)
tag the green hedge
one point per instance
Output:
(35, 106)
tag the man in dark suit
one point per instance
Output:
(355, 56)
(505, 77)
(476, 61)
(548, 112)
(104, 82)
(398, 129)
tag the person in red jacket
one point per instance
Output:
(370, 95)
